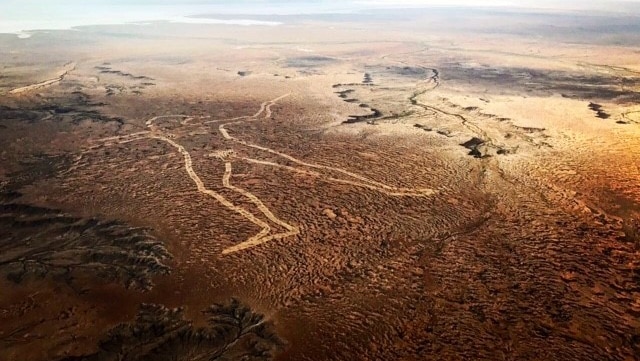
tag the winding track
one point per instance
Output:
(390, 191)
(69, 67)
(265, 235)
(365, 182)
(188, 165)
(254, 241)
(630, 118)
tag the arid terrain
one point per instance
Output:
(418, 185)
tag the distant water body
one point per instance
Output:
(25, 17)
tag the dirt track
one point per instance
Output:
(69, 67)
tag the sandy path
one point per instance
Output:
(149, 123)
(369, 183)
(266, 106)
(388, 190)
(226, 120)
(119, 138)
(632, 116)
(254, 241)
(188, 164)
(66, 70)
(264, 235)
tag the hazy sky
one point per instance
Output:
(19, 15)
(516, 3)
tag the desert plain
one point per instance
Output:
(434, 184)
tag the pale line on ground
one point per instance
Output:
(149, 122)
(69, 67)
(267, 105)
(399, 192)
(270, 104)
(226, 135)
(291, 230)
(226, 120)
(188, 164)
(120, 137)
(261, 237)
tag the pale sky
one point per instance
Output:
(544, 4)
(23, 15)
